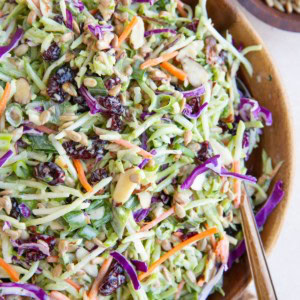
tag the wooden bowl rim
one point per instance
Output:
(272, 16)
(242, 21)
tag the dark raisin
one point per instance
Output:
(112, 82)
(98, 175)
(59, 19)
(116, 123)
(77, 151)
(112, 105)
(188, 235)
(55, 91)
(49, 172)
(195, 104)
(64, 74)
(112, 280)
(52, 53)
(15, 210)
(204, 153)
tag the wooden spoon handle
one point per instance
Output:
(256, 255)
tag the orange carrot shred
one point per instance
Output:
(174, 71)
(156, 61)
(128, 145)
(177, 248)
(55, 295)
(73, 284)
(4, 98)
(103, 270)
(154, 222)
(237, 184)
(127, 30)
(81, 175)
(181, 10)
(13, 274)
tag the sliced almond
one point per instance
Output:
(197, 75)
(137, 35)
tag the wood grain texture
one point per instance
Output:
(278, 140)
(258, 264)
(272, 16)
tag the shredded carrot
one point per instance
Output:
(237, 184)
(212, 237)
(128, 145)
(156, 61)
(73, 284)
(180, 7)
(154, 222)
(222, 249)
(81, 175)
(4, 98)
(179, 290)
(55, 295)
(201, 281)
(177, 248)
(52, 259)
(174, 71)
(127, 30)
(42, 128)
(13, 274)
(103, 270)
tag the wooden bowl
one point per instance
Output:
(266, 87)
(272, 16)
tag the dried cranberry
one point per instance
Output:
(98, 175)
(64, 74)
(116, 123)
(81, 102)
(165, 199)
(193, 26)
(195, 104)
(77, 151)
(204, 153)
(112, 105)
(15, 210)
(112, 280)
(52, 53)
(55, 91)
(33, 254)
(188, 235)
(49, 172)
(225, 127)
(112, 82)
(59, 19)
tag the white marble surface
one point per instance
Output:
(285, 259)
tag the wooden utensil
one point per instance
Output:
(266, 86)
(272, 16)
(255, 251)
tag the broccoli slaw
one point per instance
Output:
(124, 136)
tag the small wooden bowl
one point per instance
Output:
(266, 87)
(272, 16)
